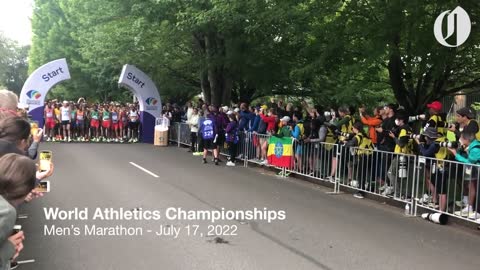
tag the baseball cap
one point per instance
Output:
(65, 102)
(229, 112)
(285, 119)
(466, 111)
(264, 107)
(225, 108)
(237, 110)
(436, 105)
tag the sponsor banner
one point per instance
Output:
(148, 96)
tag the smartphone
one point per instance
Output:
(43, 186)
(45, 160)
(16, 229)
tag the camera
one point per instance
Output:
(347, 136)
(327, 113)
(415, 136)
(454, 125)
(448, 144)
(416, 117)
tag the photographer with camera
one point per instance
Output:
(465, 118)
(436, 120)
(434, 147)
(343, 127)
(400, 172)
(361, 163)
(469, 154)
(386, 144)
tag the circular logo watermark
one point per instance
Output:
(458, 22)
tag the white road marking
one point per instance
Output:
(145, 170)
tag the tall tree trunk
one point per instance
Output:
(205, 84)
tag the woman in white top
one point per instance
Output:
(193, 123)
(133, 122)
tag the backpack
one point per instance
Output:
(262, 127)
(302, 129)
(208, 131)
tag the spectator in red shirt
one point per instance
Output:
(270, 119)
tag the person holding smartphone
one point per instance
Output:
(17, 179)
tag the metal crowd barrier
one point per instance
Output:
(426, 184)
(448, 187)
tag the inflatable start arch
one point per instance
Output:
(148, 97)
(39, 83)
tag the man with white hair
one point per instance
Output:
(8, 101)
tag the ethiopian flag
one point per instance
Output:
(280, 152)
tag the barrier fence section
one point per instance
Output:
(425, 184)
(448, 187)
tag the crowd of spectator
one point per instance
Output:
(19, 174)
(376, 148)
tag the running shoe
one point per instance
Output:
(358, 195)
(48, 139)
(13, 265)
(465, 212)
(474, 215)
(230, 164)
(388, 191)
(426, 199)
(204, 161)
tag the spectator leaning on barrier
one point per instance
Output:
(343, 125)
(362, 158)
(231, 133)
(17, 179)
(466, 123)
(470, 154)
(371, 121)
(312, 142)
(384, 143)
(245, 117)
(466, 119)
(436, 120)
(401, 170)
(297, 130)
(435, 174)
(270, 119)
(285, 130)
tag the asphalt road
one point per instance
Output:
(321, 231)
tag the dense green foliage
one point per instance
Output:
(13, 64)
(351, 51)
